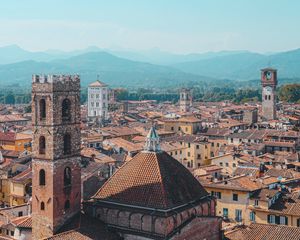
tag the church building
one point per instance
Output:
(152, 196)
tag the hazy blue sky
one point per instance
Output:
(180, 26)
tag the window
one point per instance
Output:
(226, 164)
(197, 146)
(42, 109)
(235, 197)
(42, 145)
(221, 164)
(271, 219)
(212, 144)
(238, 215)
(189, 145)
(175, 152)
(189, 154)
(92, 104)
(255, 202)
(42, 177)
(225, 212)
(252, 216)
(66, 110)
(67, 176)
(266, 97)
(298, 222)
(234, 165)
(42, 206)
(218, 144)
(218, 195)
(97, 95)
(283, 220)
(20, 214)
(97, 104)
(172, 128)
(269, 97)
(67, 144)
(198, 156)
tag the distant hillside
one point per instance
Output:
(244, 66)
(113, 70)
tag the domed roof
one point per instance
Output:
(152, 179)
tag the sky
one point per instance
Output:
(178, 26)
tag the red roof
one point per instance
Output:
(154, 180)
(7, 136)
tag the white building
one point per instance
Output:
(98, 100)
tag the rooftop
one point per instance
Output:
(153, 180)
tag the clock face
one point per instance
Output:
(268, 75)
(267, 90)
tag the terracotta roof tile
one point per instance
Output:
(153, 180)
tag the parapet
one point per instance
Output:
(42, 82)
(36, 78)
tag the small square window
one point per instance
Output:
(235, 197)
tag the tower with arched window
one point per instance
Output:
(56, 187)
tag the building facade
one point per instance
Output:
(56, 181)
(98, 101)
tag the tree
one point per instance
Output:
(289, 93)
(10, 98)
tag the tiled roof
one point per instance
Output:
(264, 232)
(241, 183)
(7, 136)
(25, 222)
(152, 179)
(97, 84)
(289, 204)
(83, 227)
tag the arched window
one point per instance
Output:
(42, 177)
(42, 206)
(266, 97)
(42, 109)
(42, 145)
(66, 110)
(67, 176)
(269, 97)
(67, 205)
(67, 144)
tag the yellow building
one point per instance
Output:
(20, 188)
(233, 197)
(187, 125)
(229, 162)
(15, 141)
(272, 206)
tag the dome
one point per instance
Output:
(152, 179)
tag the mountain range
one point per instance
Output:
(152, 68)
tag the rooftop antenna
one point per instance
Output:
(97, 77)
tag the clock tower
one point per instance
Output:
(269, 83)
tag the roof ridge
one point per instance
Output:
(161, 179)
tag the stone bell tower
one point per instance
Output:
(269, 84)
(56, 181)
(185, 100)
